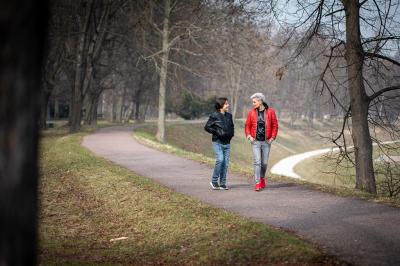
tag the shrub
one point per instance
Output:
(190, 106)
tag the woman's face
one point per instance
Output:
(256, 103)
(226, 107)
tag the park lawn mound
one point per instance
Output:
(95, 212)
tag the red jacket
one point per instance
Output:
(271, 123)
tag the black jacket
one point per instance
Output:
(221, 127)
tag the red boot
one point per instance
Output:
(262, 183)
(257, 187)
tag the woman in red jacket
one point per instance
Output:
(261, 129)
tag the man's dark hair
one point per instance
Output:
(219, 102)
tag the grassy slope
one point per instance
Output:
(86, 201)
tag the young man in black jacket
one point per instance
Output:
(220, 125)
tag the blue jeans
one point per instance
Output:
(260, 155)
(222, 152)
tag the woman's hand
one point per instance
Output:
(250, 138)
(270, 140)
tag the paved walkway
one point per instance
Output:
(285, 167)
(359, 232)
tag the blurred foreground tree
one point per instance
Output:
(23, 28)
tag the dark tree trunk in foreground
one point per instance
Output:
(359, 102)
(22, 28)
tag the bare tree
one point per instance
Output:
(175, 24)
(83, 20)
(93, 22)
(358, 32)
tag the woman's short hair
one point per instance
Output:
(219, 102)
(259, 96)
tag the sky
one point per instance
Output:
(291, 13)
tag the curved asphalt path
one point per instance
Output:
(357, 231)
(285, 167)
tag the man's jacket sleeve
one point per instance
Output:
(233, 128)
(209, 125)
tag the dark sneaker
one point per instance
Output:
(214, 185)
(223, 187)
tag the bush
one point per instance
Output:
(190, 106)
(389, 183)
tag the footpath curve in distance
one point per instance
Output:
(285, 167)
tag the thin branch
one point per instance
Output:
(362, 3)
(382, 57)
(388, 38)
(334, 12)
(378, 93)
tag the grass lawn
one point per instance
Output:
(86, 201)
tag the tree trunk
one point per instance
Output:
(100, 105)
(92, 110)
(56, 108)
(23, 25)
(44, 110)
(235, 98)
(137, 98)
(143, 115)
(122, 108)
(137, 101)
(137, 111)
(90, 105)
(114, 107)
(163, 74)
(365, 178)
(75, 113)
(77, 93)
